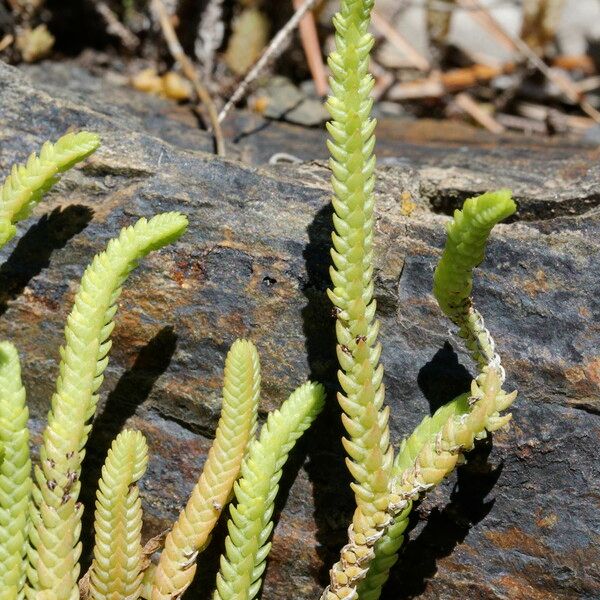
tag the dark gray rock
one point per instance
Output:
(520, 520)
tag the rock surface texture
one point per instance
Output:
(521, 520)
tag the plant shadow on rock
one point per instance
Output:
(333, 498)
(33, 251)
(134, 386)
(443, 378)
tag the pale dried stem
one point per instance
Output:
(397, 40)
(6, 41)
(188, 69)
(312, 50)
(466, 103)
(436, 84)
(210, 35)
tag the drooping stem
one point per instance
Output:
(27, 183)
(453, 281)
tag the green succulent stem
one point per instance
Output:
(191, 532)
(117, 566)
(468, 233)
(250, 524)
(27, 183)
(365, 417)
(440, 455)
(15, 476)
(55, 546)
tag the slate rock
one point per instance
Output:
(520, 520)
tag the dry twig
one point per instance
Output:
(312, 50)
(579, 62)
(466, 103)
(438, 84)
(543, 120)
(271, 52)
(553, 118)
(6, 41)
(395, 38)
(527, 126)
(188, 69)
(589, 84)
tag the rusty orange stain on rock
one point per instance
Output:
(575, 374)
(592, 371)
(515, 538)
(538, 284)
(533, 581)
(547, 522)
(233, 323)
(227, 234)
(44, 301)
(585, 378)
(189, 388)
(186, 270)
(179, 277)
(521, 590)
(129, 335)
(407, 206)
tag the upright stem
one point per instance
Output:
(365, 417)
